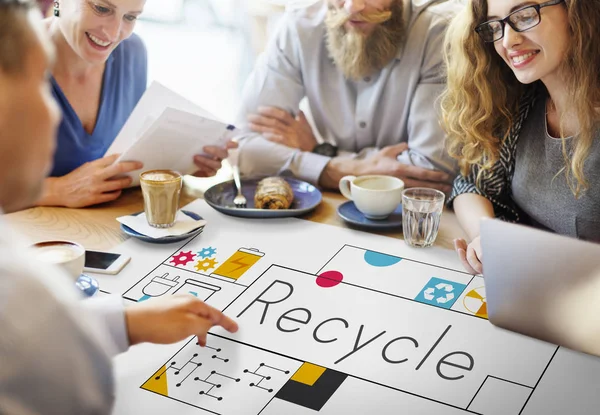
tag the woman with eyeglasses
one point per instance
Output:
(522, 112)
(99, 75)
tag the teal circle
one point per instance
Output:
(377, 259)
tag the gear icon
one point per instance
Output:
(207, 252)
(182, 258)
(205, 265)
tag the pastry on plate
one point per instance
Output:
(273, 193)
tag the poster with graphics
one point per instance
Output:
(335, 321)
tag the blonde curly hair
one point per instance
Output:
(482, 95)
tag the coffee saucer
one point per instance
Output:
(349, 213)
(166, 239)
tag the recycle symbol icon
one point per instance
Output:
(447, 293)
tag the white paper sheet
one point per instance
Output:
(155, 100)
(166, 130)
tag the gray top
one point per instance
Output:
(398, 104)
(55, 349)
(539, 187)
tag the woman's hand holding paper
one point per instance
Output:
(94, 182)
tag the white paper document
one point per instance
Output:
(165, 131)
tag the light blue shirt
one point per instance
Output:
(397, 104)
(55, 348)
(125, 79)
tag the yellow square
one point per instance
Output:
(308, 374)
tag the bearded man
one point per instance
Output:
(371, 71)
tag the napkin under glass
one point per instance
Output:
(183, 224)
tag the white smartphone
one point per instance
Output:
(104, 262)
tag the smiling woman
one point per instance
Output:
(522, 111)
(99, 76)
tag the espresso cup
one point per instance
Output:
(68, 255)
(161, 190)
(375, 196)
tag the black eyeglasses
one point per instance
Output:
(520, 21)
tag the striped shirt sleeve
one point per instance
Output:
(495, 184)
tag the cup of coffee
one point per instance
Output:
(68, 255)
(161, 190)
(376, 196)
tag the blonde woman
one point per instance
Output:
(522, 111)
(99, 75)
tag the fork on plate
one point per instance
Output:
(239, 200)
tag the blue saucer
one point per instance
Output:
(165, 239)
(352, 215)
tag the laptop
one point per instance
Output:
(542, 285)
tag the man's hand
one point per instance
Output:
(385, 162)
(280, 127)
(173, 318)
(470, 255)
(97, 181)
(209, 162)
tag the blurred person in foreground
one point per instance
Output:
(55, 348)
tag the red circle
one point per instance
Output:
(329, 279)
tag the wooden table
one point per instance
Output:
(96, 227)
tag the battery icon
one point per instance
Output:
(238, 263)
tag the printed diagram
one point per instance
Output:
(216, 378)
(204, 265)
(156, 286)
(207, 252)
(206, 261)
(412, 280)
(440, 293)
(208, 381)
(311, 386)
(475, 302)
(315, 341)
(261, 377)
(201, 261)
(473, 299)
(459, 360)
(182, 258)
(239, 263)
(189, 272)
(447, 295)
(202, 290)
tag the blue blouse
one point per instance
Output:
(125, 79)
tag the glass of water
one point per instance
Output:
(421, 212)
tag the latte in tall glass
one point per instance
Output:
(161, 190)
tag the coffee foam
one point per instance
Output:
(57, 253)
(378, 183)
(159, 176)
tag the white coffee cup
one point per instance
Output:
(68, 255)
(376, 196)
